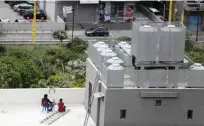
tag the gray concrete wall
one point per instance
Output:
(143, 112)
(83, 12)
(41, 4)
(91, 71)
(51, 10)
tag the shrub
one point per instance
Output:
(2, 49)
(124, 38)
(188, 34)
(60, 35)
(188, 46)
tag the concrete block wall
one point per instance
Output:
(142, 111)
(84, 13)
(34, 96)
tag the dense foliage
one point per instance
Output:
(197, 55)
(43, 66)
(194, 53)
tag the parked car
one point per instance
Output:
(97, 31)
(14, 2)
(5, 20)
(22, 8)
(28, 14)
(6, 1)
(31, 2)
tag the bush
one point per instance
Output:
(188, 34)
(2, 49)
(60, 35)
(188, 46)
(124, 38)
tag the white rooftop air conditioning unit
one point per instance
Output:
(197, 66)
(114, 76)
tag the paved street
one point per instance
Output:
(47, 36)
(7, 12)
(200, 37)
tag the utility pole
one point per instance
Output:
(73, 20)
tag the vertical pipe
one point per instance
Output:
(197, 28)
(170, 10)
(164, 12)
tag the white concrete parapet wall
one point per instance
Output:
(33, 96)
(40, 26)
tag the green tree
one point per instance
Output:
(60, 80)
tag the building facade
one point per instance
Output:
(145, 84)
(86, 12)
(191, 13)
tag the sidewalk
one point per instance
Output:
(113, 33)
(200, 37)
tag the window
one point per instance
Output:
(158, 102)
(190, 114)
(98, 30)
(122, 114)
(103, 29)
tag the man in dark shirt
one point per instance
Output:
(46, 103)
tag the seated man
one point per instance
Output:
(61, 107)
(47, 104)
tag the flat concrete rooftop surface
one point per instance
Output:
(24, 115)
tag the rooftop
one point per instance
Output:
(158, 74)
(24, 113)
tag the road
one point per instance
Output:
(46, 37)
(19, 37)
